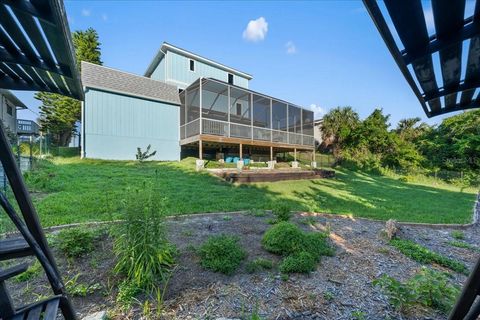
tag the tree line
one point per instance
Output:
(412, 146)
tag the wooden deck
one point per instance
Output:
(264, 175)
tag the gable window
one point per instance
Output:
(9, 109)
(192, 65)
(239, 109)
(230, 78)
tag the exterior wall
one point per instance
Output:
(116, 125)
(178, 71)
(9, 121)
(317, 133)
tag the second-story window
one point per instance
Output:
(239, 109)
(192, 65)
(230, 78)
(9, 109)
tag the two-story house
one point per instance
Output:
(186, 104)
(9, 104)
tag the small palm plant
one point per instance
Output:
(142, 156)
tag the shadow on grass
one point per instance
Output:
(384, 198)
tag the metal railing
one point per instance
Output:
(236, 130)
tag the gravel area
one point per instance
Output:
(340, 287)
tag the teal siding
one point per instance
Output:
(159, 72)
(178, 71)
(115, 125)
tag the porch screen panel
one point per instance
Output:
(240, 106)
(215, 101)
(279, 115)
(182, 108)
(294, 119)
(307, 122)
(261, 111)
(193, 104)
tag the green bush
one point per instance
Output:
(221, 254)
(424, 255)
(428, 288)
(282, 211)
(457, 234)
(302, 262)
(259, 264)
(300, 248)
(75, 242)
(144, 255)
(283, 238)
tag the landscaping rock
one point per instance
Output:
(101, 315)
(391, 229)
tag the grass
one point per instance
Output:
(464, 245)
(423, 255)
(68, 190)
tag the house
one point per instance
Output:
(317, 132)
(186, 105)
(9, 104)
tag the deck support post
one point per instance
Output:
(295, 154)
(271, 153)
(241, 151)
(200, 150)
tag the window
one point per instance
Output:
(192, 65)
(230, 78)
(9, 109)
(239, 109)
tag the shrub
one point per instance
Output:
(144, 254)
(428, 288)
(127, 291)
(259, 264)
(424, 255)
(75, 242)
(221, 254)
(302, 262)
(282, 211)
(464, 245)
(457, 234)
(300, 248)
(283, 238)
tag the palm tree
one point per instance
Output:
(410, 128)
(337, 125)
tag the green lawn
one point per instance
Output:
(73, 190)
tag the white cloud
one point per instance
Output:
(256, 30)
(291, 48)
(317, 110)
(86, 12)
(104, 17)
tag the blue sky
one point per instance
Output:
(321, 54)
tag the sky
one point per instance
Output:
(317, 54)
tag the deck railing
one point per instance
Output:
(236, 130)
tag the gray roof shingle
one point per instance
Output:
(99, 77)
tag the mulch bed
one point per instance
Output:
(340, 286)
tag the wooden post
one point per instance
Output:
(271, 153)
(200, 150)
(241, 151)
(295, 154)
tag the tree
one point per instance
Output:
(337, 125)
(410, 129)
(58, 114)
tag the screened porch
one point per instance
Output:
(215, 110)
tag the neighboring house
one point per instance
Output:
(9, 104)
(186, 104)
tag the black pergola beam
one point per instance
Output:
(436, 45)
(38, 11)
(465, 86)
(380, 23)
